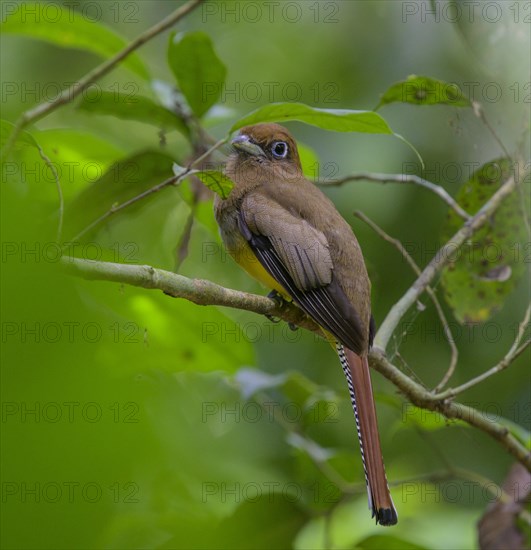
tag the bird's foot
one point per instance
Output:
(271, 318)
(277, 298)
(279, 301)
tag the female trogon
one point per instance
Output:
(287, 234)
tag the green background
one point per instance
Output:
(125, 422)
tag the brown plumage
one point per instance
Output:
(286, 233)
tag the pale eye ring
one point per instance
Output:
(279, 149)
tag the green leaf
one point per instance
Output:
(309, 161)
(423, 90)
(338, 120)
(272, 521)
(216, 181)
(69, 29)
(140, 108)
(485, 270)
(123, 181)
(198, 70)
(24, 139)
(377, 542)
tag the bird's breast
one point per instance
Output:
(226, 213)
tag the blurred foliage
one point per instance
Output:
(481, 275)
(132, 420)
(138, 108)
(69, 29)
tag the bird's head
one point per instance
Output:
(269, 146)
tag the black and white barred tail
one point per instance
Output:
(356, 371)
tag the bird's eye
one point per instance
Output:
(279, 149)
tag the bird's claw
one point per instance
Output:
(279, 301)
(271, 318)
(276, 297)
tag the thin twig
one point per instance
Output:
(116, 208)
(422, 398)
(50, 165)
(73, 91)
(208, 152)
(431, 293)
(515, 351)
(480, 113)
(402, 178)
(441, 258)
(174, 180)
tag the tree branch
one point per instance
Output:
(431, 293)
(198, 291)
(422, 398)
(515, 351)
(203, 292)
(70, 93)
(402, 178)
(438, 262)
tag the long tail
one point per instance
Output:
(356, 370)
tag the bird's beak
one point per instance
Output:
(244, 144)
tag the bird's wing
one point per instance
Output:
(297, 255)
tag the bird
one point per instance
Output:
(284, 231)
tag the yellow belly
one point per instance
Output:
(246, 259)
(256, 270)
